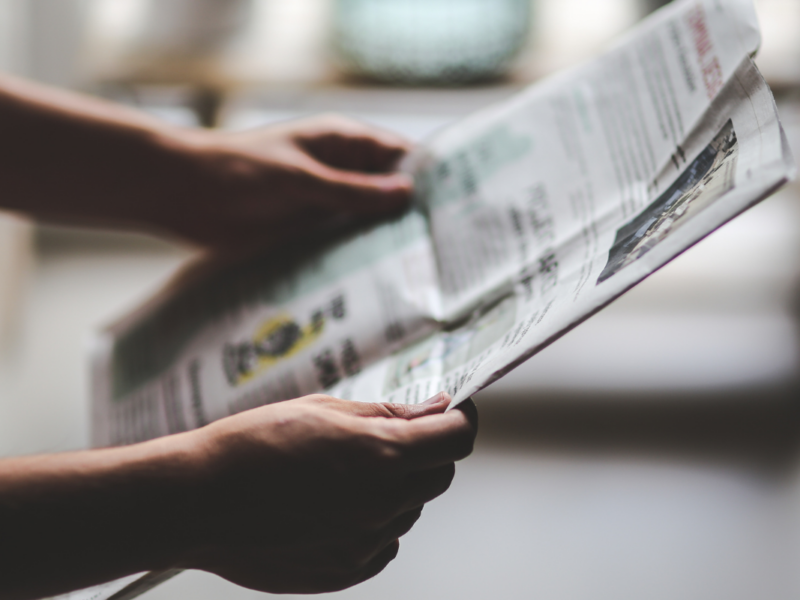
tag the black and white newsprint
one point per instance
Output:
(530, 217)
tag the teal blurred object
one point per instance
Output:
(430, 41)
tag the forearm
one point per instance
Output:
(74, 520)
(304, 496)
(73, 158)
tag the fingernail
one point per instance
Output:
(439, 398)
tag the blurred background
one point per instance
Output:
(609, 466)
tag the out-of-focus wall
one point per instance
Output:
(14, 234)
(15, 257)
(287, 42)
(41, 40)
(11, 36)
(55, 33)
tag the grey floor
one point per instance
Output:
(651, 453)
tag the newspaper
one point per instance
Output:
(530, 216)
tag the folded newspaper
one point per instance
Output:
(530, 216)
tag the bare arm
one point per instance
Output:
(71, 158)
(241, 497)
(304, 496)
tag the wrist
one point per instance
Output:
(95, 516)
(152, 493)
(178, 479)
(202, 175)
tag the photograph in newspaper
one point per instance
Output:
(708, 177)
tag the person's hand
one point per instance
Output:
(287, 181)
(74, 159)
(311, 495)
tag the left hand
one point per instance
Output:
(272, 185)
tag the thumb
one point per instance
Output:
(435, 405)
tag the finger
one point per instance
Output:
(363, 152)
(302, 572)
(350, 555)
(423, 440)
(435, 440)
(392, 531)
(421, 487)
(379, 563)
(352, 145)
(470, 411)
(400, 526)
(354, 192)
(373, 543)
(435, 405)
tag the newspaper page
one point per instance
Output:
(530, 217)
(548, 207)
(278, 327)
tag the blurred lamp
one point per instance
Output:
(429, 41)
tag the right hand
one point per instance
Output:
(311, 495)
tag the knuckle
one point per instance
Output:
(332, 117)
(336, 121)
(386, 445)
(390, 456)
(393, 429)
(380, 410)
(397, 410)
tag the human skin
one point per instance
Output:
(68, 158)
(304, 496)
(308, 495)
